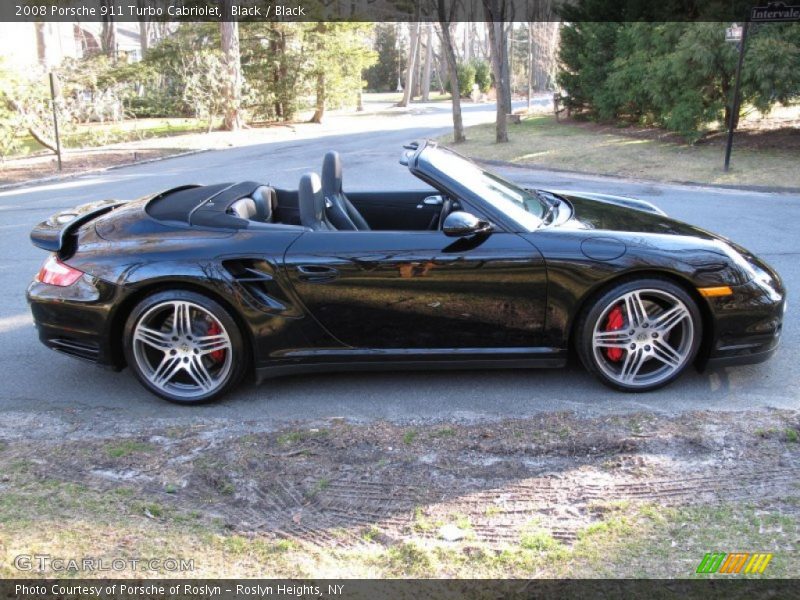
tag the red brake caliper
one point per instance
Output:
(217, 355)
(615, 321)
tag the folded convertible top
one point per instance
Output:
(205, 206)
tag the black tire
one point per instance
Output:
(654, 294)
(206, 311)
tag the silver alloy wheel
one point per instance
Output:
(182, 349)
(655, 339)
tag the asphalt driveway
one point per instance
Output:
(40, 387)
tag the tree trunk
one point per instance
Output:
(452, 69)
(418, 68)
(144, 37)
(530, 63)
(37, 134)
(413, 51)
(426, 73)
(502, 41)
(40, 137)
(277, 46)
(41, 43)
(498, 57)
(108, 37)
(510, 77)
(319, 111)
(475, 45)
(144, 31)
(232, 102)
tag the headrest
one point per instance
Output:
(311, 201)
(266, 200)
(244, 208)
(331, 174)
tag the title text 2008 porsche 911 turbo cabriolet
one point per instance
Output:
(196, 286)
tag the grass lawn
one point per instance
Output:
(101, 134)
(640, 495)
(648, 541)
(543, 142)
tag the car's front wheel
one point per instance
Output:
(184, 347)
(640, 335)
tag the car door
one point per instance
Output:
(398, 210)
(421, 289)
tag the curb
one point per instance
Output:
(723, 186)
(54, 178)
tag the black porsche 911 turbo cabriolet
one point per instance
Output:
(198, 285)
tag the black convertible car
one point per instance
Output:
(198, 285)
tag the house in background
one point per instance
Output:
(27, 45)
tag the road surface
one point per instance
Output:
(42, 387)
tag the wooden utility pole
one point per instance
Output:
(55, 92)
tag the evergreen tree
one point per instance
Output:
(676, 75)
(382, 76)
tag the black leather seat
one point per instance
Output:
(244, 208)
(311, 203)
(341, 211)
(258, 206)
(266, 200)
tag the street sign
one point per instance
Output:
(733, 33)
(775, 12)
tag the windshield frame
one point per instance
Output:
(424, 165)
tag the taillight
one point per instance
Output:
(55, 272)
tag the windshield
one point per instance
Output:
(522, 206)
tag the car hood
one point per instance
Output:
(613, 213)
(609, 228)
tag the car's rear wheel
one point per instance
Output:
(184, 347)
(640, 335)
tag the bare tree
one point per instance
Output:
(144, 30)
(445, 18)
(495, 13)
(144, 36)
(229, 32)
(411, 64)
(426, 72)
(319, 108)
(108, 34)
(545, 50)
(41, 42)
(529, 92)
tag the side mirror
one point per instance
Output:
(460, 224)
(431, 201)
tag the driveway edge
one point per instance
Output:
(55, 178)
(723, 186)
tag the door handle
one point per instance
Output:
(317, 273)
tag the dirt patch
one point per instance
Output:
(332, 486)
(769, 135)
(35, 167)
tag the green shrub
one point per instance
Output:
(675, 75)
(483, 75)
(466, 79)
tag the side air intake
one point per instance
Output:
(255, 278)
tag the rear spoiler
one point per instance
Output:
(54, 233)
